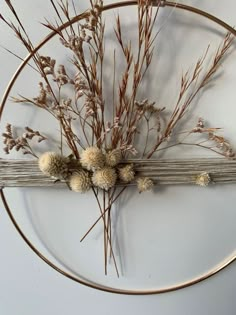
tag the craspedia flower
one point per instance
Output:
(104, 178)
(53, 164)
(126, 173)
(92, 158)
(80, 181)
(144, 184)
(203, 179)
(113, 157)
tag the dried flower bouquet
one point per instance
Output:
(101, 137)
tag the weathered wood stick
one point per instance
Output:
(25, 173)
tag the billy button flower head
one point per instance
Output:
(105, 178)
(203, 179)
(53, 164)
(144, 184)
(80, 181)
(92, 158)
(113, 157)
(126, 173)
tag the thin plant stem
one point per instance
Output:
(102, 215)
(103, 218)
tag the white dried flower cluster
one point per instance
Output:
(41, 99)
(144, 184)
(47, 64)
(203, 179)
(53, 165)
(80, 181)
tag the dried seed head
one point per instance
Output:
(92, 158)
(105, 178)
(53, 164)
(113, 157)
(80, 181)
(126, 173)
(144, 184)
(203, 179)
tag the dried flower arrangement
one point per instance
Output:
(100, 144)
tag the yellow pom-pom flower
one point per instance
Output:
(104, 178)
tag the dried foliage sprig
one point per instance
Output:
(21, 142)
(98, 140)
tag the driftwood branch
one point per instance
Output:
(24, 173)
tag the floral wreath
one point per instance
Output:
(101, 140)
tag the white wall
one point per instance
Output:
(205, 218)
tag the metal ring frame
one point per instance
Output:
(182, 285)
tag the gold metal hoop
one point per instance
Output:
(185, 284)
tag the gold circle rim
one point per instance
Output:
(228, 261)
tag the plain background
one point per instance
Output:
(28, 286)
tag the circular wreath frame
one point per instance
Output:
(228, 261)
